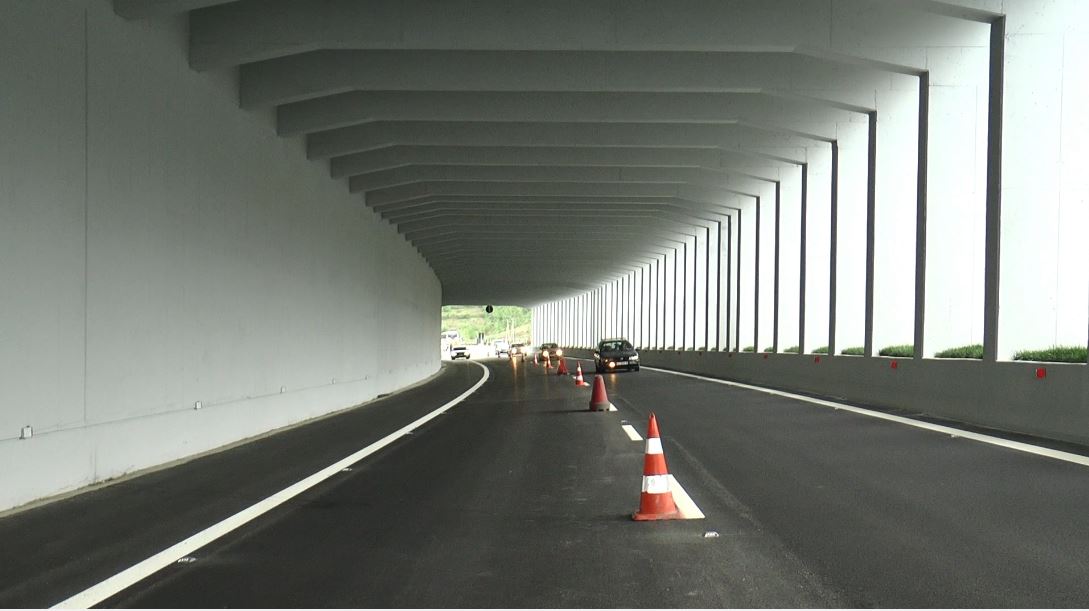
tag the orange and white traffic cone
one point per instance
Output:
(562, 369)
(578, 376)
(535, 359)
(656, 501)
(548, 363)
(599, 399)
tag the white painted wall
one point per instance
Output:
(1045, 195)
(159, 246)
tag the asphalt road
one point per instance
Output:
(519, 497)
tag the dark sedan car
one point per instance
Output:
(612, 354)
(550, 352)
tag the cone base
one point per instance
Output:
(600, 407)
(646, 517)
(581, 384)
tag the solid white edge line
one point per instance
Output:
(684, 503)
(948, 430)
(145, 568)
(632, 433)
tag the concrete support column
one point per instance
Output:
(993, 239)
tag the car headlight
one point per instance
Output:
(544, 353)
(611, 364)
(634, 358)
(559, 353)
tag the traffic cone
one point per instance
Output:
(656, 500)
(599, 400)
(535, 359)
(562, 369)
(578, 376)
(548, 363)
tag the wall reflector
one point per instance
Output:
(1041, 373)
(27, 432)
(816, 359)
(895, 365)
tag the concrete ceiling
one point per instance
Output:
(532, 150)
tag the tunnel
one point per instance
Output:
(222, 219)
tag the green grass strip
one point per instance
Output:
(821, 350)
(903, 351)
(1054, 354)
(749, 349)
(853, 351)
(793, 350)
(769, 349)
(974, 351)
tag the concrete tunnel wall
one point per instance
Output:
(159, 246)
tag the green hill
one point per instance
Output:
(505, 322)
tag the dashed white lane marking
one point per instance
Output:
(145, 568)
(632, 433)
(684, 503)
(948, 430)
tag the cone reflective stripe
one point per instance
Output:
(656, 499)
(578, 376)
(562, 369)
(535, 359)
(599, 399)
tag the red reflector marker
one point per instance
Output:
(1041, 373)
(895, 365)
(816, 359)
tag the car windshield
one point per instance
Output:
(615, 345)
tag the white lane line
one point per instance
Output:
(684, 503)
(145, 568)
(632, 433)
(948, 430)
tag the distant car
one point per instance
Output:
(518, 351)
(550, 353)
(612, 354)
(502, 347)
(459, 352)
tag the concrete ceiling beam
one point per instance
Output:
(260, 29)
(558, 220)
(600, 174)
(385, 198)
(631, 205)
(394, 157)
(357, 107)
(736, 135)
(323, 73)
(553, 222)
(616, 227)
(455, 239)
(253, 30)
